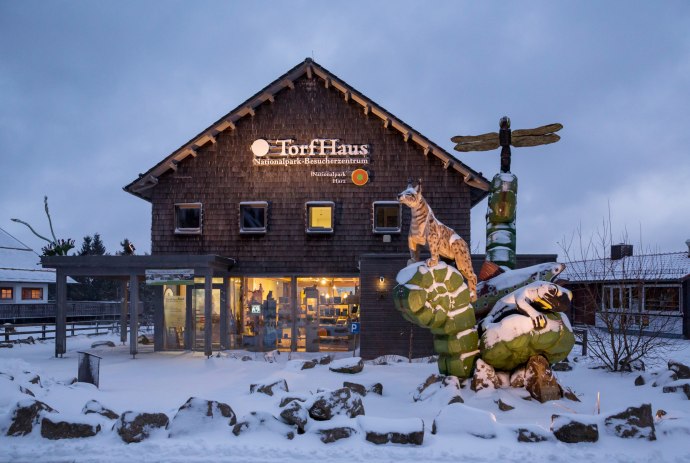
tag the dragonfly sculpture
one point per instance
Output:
(505, 138)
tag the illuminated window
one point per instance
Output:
(6, 294)
(188, 218)
(32, 294)
(320, 216)
(387, 217)
(253, 217)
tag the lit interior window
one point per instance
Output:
(320, 217)
(6, 293)
(32, 294)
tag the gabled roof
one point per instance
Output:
(19, 263)
(646, 267)
(149, 179)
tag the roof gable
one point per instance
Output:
(643, 267)
(139, 187)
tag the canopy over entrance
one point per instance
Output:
(132, 269)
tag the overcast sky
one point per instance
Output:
(93, 93)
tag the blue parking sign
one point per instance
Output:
(354, 328)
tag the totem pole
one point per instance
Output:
(500, 214)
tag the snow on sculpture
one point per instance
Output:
(426, 229)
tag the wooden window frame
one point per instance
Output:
(319, 231)
(258, 205)
(189, 230)
(2, 293)
(386, 230)
(29, 290)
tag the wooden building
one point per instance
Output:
(296, 184)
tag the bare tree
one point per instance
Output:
(621, 298)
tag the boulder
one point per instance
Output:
(504, 407)
(286, 400)
(339, 402)
(562, 366)
(137, 426)
(26, 391)
(142, 339)
(530, 435)
(393, 431)
(573, 429)
(517, 378)
(376, 388)
(438, 388)
(456, 400)
(269, 388)
(6, 345)
(636, 422)
(246, 358)
(93, 406)
(349, 365)
(680, 385)
(681, 371)
(460, 419)
(664, 377)
(201, 415)
(308, 364)
(540, 381)
(262, 420)
(639, 381)
(323, 360)
(104, 344)
(55, 429)
(358, 388)
(35, 379)
(330, 435)
(295, 414)
(484, 377)
(25, 415)
(570, 395)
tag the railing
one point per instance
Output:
(95, 309)
(24, 333)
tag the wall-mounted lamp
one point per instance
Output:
(382, 279)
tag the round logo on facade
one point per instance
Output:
(360, 177)
(260, 148)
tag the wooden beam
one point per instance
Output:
(289, 83)
(427, 150)
(347, 95)
(309, 75)
(386, 123)
(406, 136)
(173, 165)
(268, 97)
(446, 163)
(224, 125)
(366, 109)
(326, 82)
(251, 111)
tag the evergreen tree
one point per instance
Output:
(89, 288)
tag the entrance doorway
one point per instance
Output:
(199, 319)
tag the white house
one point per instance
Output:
(22, 279)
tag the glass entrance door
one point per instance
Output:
(200, 319)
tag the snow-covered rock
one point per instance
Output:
(682, 371)
(26, 414)
(201, 415)
(58, 426)
(458, 418)
(392, 430)
(137, 426)
(269, 388)
(295, 414)
(263, 421)
(93, 406)
(438, 389)
(573, 428)
(484, 377)
(540, 381)
(634, 422)
(349, 365)
(339, 402)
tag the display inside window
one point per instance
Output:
(253, 217)
(188, 218)
(32, 294)
(387, 217)
(662, 298)
(320, 217)
(6, 294)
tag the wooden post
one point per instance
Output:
(133, 314)
(189, 319)
(61, 313)
(208, 322)
(294, 302)
(224, 313)
(123, 312)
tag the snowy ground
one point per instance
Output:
(161, 382)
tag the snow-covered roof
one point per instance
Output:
(647, 267)
(19, 263)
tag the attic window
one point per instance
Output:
(188, 218)
(253, 217)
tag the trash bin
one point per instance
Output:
(89, 366)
